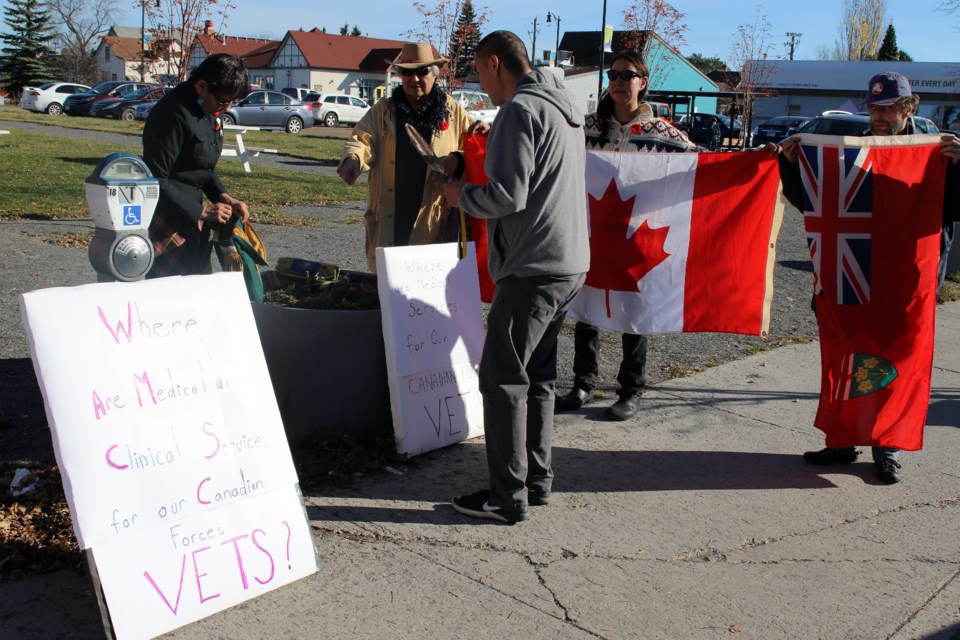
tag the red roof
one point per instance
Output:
(350, 53)
(234, 45)
(124, 48)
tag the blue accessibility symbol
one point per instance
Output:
(131, 215)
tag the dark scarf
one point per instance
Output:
(428, 118)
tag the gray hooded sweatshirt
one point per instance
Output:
(535, 202)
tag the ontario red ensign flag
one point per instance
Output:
(872, 212)
(681, 242)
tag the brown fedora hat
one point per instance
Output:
(415, 55)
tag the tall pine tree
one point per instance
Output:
(26, 55)
(888, 48)
(463, 42)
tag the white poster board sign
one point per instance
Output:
(433, 337)
(173, 456)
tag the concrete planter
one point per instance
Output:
(328, 370)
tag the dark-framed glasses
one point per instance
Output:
(422, 71)
(223, 104)
(626, 75)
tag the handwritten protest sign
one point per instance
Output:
(433, 337)
(173, 456)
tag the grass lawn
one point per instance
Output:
(42, 176)
(308, 147)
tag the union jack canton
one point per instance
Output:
(838, 217)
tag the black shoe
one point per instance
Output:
(832, 455)
(573, 399)
(538, 498)
(886, 467)
(477, 505)
(624, 408)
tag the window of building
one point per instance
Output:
(793, 109)
(106, 54)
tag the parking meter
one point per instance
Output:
(122, 194)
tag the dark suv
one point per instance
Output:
(834, 124)
(79, 103)
(775, 129)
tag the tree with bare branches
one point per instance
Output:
(80, 24)
(182, 20)
(439, 22)
(861, 29)
(751, 47)
(654, 16)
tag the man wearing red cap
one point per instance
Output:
(890, 103)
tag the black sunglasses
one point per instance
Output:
(422, 71)
(626, 75)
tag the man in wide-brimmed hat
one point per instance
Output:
(404, 206)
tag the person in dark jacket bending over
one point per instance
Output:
(182, 141)
(535, 204)
(890, 102)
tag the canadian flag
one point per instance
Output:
(681, 242)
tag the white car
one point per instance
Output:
(334, 108)
(49, 97)
(477, 104)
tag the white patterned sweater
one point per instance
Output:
(645, 133)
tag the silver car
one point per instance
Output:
(270, 110)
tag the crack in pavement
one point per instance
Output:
(536, 566)
(939, 504)
(923, 605)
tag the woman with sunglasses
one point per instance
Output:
(404, 206)
(623, 122)
(182, 141)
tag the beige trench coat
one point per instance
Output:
(374, 143)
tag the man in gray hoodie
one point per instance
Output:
(535, 205)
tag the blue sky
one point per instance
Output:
(923, 32)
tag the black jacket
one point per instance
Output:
(181, 146)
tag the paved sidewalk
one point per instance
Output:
(697, 519)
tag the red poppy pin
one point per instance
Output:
(635, 129)
(444, 125)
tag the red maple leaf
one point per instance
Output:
(618, 263)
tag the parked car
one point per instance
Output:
(775, 129)
(337, 107)
(661, 110)
(142, 110)
(270, 110)
(79, 104)
(835, 124)
(297, 93)
(699, 127)
(122, 108)
(924, 125)
(477, 104)
(49, 97)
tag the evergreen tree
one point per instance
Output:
(463, 42)
(345, 29)
(356, 31)
(888, 48)
(26, 55)
(706, 64)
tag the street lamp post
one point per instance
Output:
(556, 47)
(143, 37)
(603, 27)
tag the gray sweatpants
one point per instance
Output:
(518, 371)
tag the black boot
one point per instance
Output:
(624, 408)
(573, 399)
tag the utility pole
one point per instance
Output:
(794, 41)
(533, 57)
